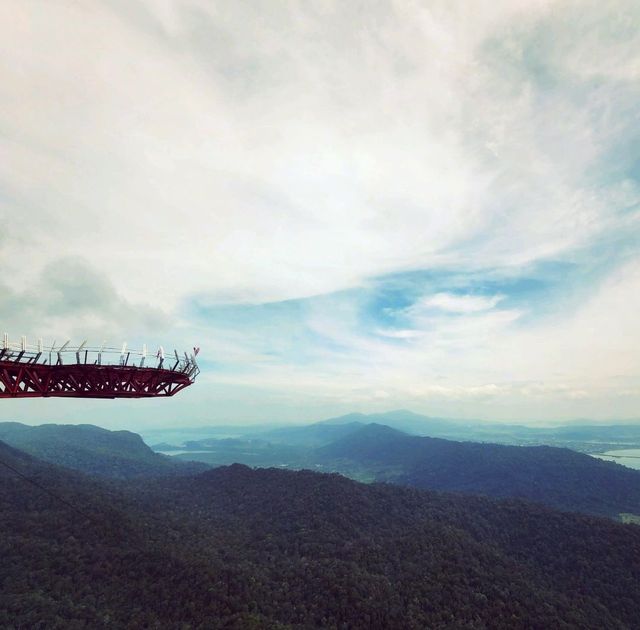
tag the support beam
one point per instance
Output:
(82, 380)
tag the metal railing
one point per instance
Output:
(24, 352)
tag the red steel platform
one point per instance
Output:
(30, 372)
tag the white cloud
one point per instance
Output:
(405, 333)
(275, 152)
(455, 303)
(264, 151)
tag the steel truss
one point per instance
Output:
(32, 380)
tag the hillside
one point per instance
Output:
(316, 434)
(93, 450)
(583, 436)
(557, 477)
(277, 549)
(407, 421)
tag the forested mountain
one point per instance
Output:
(306, 436)
(241, 548)
(557, 477)
(584, 435)
(249, 451)
(316, 434)
(407, 421)
(91, 449)
(586, 438)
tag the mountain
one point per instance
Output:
(597, 439)
(252, 452)
(310, 435)
(406, 421)
(77, 553)
(177, 435)
(580, 435)
(331, 429)
(15, 458)
(557, 477)
(240, 548)
(292, 447)
(350, 418)
(93, 450)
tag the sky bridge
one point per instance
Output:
(68, 371)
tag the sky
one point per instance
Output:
(349, 206)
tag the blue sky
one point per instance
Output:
(348, 206)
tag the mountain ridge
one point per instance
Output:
(559, 477)
(92, 449)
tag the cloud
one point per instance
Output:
(271, 153)
(456, 303)
(70, 299)
(329, 198)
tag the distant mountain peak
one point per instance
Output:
(375, 428)
(349, 418)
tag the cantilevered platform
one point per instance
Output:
(30, 371)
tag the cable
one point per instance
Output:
(140, 543)
(49, 492)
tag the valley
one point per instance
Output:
(557, 467)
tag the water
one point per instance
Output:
(179, 437)
(629, 457)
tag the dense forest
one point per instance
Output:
(558, 477)
(239, 548)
